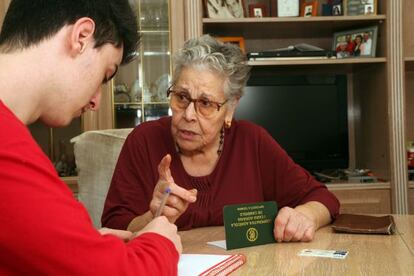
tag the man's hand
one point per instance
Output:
(163, 227)
(122, 234)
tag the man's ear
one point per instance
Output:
(81, 35)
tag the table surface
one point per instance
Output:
(368, 254)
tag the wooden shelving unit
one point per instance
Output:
(376, 89)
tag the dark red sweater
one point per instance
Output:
(252, 168)
(45, 231)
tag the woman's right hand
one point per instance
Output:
(179, 198)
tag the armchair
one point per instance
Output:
(96, 154)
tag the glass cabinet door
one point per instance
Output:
(140, 88)
(55, 143)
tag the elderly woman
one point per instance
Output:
(208, 160)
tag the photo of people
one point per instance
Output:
(308, 11)
(358, 43)
(224, 8)
(369, 9)
(258, 12)
(337, 10)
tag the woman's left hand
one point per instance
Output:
(293, 225)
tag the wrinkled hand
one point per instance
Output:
(292, 225)
(122, 234)
(179, 198)
(163, 227)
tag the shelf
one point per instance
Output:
(361, 18)
(317, 61)
(358, 186)
(411, 184)
(140, 103)
(154, 32)
(281, 27)
(409, 59)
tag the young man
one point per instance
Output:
(54, 57)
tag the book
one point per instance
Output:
(209, 264)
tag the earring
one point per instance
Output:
(227, 124)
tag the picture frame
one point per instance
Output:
(254, 5)
(237, 40)
(337, 8)
(224, 8)
(356, 43)
(361, 7)
(258, 10)
(309, 9)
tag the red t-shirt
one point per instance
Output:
(251, 168)
(45, 231)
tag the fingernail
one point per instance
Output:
(193, 198)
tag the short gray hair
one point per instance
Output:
(226, 59)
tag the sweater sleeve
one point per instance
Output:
(132, 183)
(45, 231)
(287, 182)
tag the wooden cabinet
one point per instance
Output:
(363, 198)
(138, 92)
(375, 89)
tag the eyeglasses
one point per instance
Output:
(204, 107)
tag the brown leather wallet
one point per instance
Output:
(364, 224)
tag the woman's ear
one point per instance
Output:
(81, 35)
(231, 108)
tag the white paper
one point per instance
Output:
(194, 264)
(221, 244)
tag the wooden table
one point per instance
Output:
(368, 254)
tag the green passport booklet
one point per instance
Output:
(249, 224)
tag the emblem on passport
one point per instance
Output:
(249, 224)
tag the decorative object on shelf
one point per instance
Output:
(337, 8)
(355, 43)
(287, 8)
(326, 9)
(238, 40)
(121, 94)
(224, 8)
(361, 7)
(309, 8)
(257, 10)
(410, 154)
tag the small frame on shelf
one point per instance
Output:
(238, 40)
(337, 8)
(309, 9)
(355, 43)
(224, 8)
(258, 10)
(361, 7)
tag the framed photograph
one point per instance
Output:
(355, 43)
(361, 7)
(253, 7)
(337, 8)
(309, 9)
(258, 10)
(224, 8)
(238, 40)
